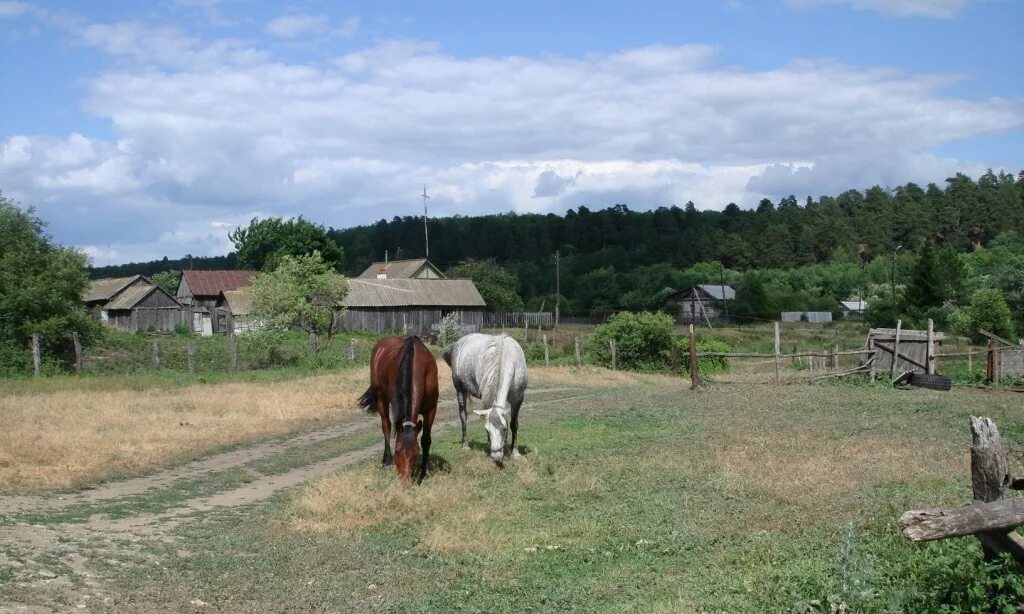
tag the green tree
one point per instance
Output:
(41, 285)
(644, 341)
(497, 286)
(927, 287)
(302, 291)
(264, 243)
(988, 311)
(167, 281)
(751, 298)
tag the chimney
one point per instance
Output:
(382, 273)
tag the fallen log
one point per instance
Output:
(993, 517)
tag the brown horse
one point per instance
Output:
(403, 378)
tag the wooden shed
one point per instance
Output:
(102, 291)
(233, 312)
(143, 308)
(913, 344)
(200, 293)
(702, 302)
(408, 306)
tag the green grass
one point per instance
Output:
(743, 499)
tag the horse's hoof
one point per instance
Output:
(465, 446)
(516, 454)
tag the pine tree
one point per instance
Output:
(927, 287)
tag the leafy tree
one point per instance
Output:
(751, 298)
(988, 310)
(497, 286)
(41, 286)
(926, 288)
(264, 243)
(167, 281)
(302, 291)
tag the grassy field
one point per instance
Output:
(634, 494)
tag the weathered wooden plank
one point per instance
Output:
(990, 466)
(932, 524)
(881, 346)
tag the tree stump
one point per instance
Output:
(990, 474)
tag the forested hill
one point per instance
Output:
(598, 247)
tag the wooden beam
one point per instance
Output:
(929, 525)
(996, 337)
(895, 350)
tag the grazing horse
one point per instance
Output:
(403, 379)
(493, 369)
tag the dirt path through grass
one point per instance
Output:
(47, 553)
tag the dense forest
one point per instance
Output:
(808, 253)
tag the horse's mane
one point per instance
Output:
(401, 401)
(491, 364)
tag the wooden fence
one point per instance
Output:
(519, 319)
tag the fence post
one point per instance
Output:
(970, 357)
(79, 357)
(314, 343)
(990, 467)
(872, 356)
(232, 350)
(929, 355)
(990, 363)
(579, 359)
(37, 358)
(190, 350)
(156, 353)
(615, 361)
(693, 358)
(351, 350)
(545, 350)
(895, 350)
(778, 355)
(835, 357)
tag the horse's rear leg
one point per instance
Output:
(514, 426)
(385, 425)
(463, 416)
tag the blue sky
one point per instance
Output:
(147, 129)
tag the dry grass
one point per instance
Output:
(68, 438)
(597, 377)
(453, 514)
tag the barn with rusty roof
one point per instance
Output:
(200, 293)
(409, 306)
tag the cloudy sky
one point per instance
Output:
(140, 130)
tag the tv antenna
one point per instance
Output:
(426, 237)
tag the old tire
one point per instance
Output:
(930, 381)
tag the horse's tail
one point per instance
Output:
(401, 401)
(369, 400)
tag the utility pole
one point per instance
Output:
(426, 237)
(725, 303)
(558, 285)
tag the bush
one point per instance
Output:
(450, 331)
(988, 310)
(644, 341)
(705, 364)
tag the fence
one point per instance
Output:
(519, 319)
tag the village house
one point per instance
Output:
(418, 268)
(409, 306)
(200, 293)
(702, 302)
(234, 313)
(132, 304)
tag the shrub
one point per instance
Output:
(450, 331)
(988, 310)
(644, 341)
(705, 364)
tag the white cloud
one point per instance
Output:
(209, 131)
(944, 9)
(305, 24)
(10, 8)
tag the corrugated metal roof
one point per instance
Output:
(854, 305)
(397, 269)
(715, 290)
(412, 293)
(212, 283)
(104, 289)
(132, 296)
(239, 302)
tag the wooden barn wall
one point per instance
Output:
(157, 312)
(404, 321)
(915, 349)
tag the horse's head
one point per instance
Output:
(407, 449)
(496, 426)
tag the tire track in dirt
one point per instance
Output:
(218, 462)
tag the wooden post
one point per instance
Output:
(351, 350)
(546, 361)
(873, 357)
(314, 344)
(615, 362)
(79, 356)
(792, 360)
(930, 349)
(999, 365)
(778, 355)
(37, 357)
(835, 358)
(232, 351)
(970, 358)
(990, 467)
(190, 350)
(990, 365)
(579, 359)
(156, 353)
(693, 358)
(896, 350)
